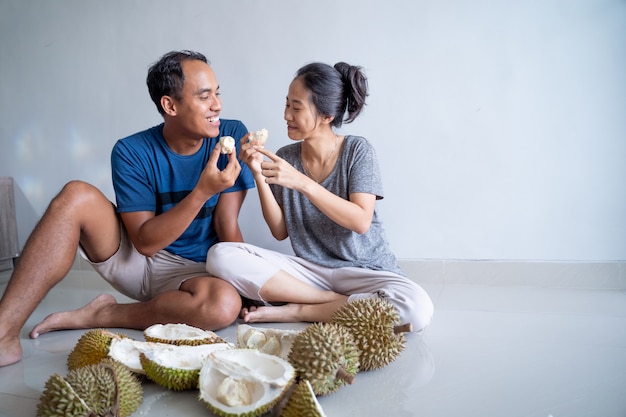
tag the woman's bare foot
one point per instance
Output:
(287, 313)
(81, 318)
(10, 350)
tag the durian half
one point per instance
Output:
(180, 334)
(176, 367)
(303, 402)
(243, 382)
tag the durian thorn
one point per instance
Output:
(403, 328)
(342, 374)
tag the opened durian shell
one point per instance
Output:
(302, 402)
(180, 334)
(99, 344)
(244, 382)
(272, 341)
(92, 347)
(104, 389)
(176, 367)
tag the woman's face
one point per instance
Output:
(300, 114)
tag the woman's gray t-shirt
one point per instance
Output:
(320, 240)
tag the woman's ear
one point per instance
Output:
(169, 107)
(328, 119)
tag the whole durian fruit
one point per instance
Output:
(326, 355)
(180, 334)
(105, 389)
(302, 402)
(374, 323)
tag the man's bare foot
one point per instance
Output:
(10, 350)
(81, 318)
(287, 313)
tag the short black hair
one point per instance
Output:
(166, 78)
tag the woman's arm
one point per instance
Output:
(355, 214)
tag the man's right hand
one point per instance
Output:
(213, 181)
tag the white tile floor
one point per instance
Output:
(490, 351)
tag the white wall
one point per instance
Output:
(500, 124)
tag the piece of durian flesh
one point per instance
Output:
(272, 341)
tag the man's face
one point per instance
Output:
(199, 108)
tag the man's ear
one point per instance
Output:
(169, 107)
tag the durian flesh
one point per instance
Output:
(272, 341)
(180, 334)
(243, 382)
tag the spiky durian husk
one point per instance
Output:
(151, 335)
(170, 378)
(320, 352)
(129, 387)
(103, 389)
(59, 399)
(372, 322)
(91, 348)
(302, 402)
(96, 385)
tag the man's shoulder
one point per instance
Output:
(232, 127)
(149, 133)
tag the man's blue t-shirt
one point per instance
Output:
(149, 176)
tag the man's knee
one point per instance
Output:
(77, 194)
(219, 310)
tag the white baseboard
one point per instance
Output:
(554, 274)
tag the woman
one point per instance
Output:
(320, 192)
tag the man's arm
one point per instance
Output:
(226, 216)
(150, 233)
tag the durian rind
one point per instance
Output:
(100, 389)
(59, 399)
(91, 348)
(372, 321)
(266, 377)
(272, 341)
(319, 353)
(303, 402)
(176, 367)
(180, 334)
(129, 386)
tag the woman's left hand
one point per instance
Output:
(278, 171)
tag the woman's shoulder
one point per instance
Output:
(291, 149)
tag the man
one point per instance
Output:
(176, 196)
